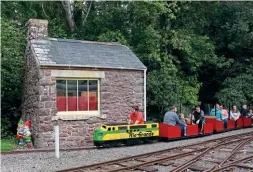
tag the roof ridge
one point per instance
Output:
(83, 41)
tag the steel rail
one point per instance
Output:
(157, 160)
(232, 164)
(242, 143)
(153, 153)
(163, 159)
(196, 158)
(122, 159)
(244, 166)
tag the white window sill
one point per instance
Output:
(78, 115)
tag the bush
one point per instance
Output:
(6, 128)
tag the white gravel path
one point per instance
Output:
(47, 162)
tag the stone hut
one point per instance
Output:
(79, 85)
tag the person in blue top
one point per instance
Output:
(218, 112)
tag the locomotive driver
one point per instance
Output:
(135, 116)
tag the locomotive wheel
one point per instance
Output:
(146, 140)
(106, 145)
(116, 143)
(130, 142)
(119, 143)
(97, 144)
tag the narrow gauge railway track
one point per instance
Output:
(144, 162)
(214, 158)
(25, 151)
(243, 164)
(232, 155)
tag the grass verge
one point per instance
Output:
(8, 144)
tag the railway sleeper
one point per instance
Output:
(147, 169)
(196, 168)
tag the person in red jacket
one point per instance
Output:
(136, 117)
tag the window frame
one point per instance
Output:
(79, 113)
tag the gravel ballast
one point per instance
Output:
(44, 161)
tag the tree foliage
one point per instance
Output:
(194, 51)
(12, 51)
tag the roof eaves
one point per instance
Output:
(89, 66)
(40, 41)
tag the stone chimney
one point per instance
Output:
(37, 29)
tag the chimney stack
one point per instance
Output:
(37, 29)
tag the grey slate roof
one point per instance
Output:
(64, 52)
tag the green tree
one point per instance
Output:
(13, 42)
(233, 37)
(193, 50)
(13, 45)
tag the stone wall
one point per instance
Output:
(119, 90)
(47, 109)
(30, 98)
(35, 89)
(78, 133)
(39, 100)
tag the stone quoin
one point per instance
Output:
(80, 83)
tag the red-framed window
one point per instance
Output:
(77, 95)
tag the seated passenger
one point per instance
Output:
(135, 116)
(235, 114)
(182, 118)
(244, 111)
(218, 113)
(250, 115)
(198, 118)
(171, 118)
(224, 115)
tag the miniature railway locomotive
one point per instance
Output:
(118, 134)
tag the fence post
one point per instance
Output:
(57, 145)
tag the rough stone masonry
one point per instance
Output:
(119, 90)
